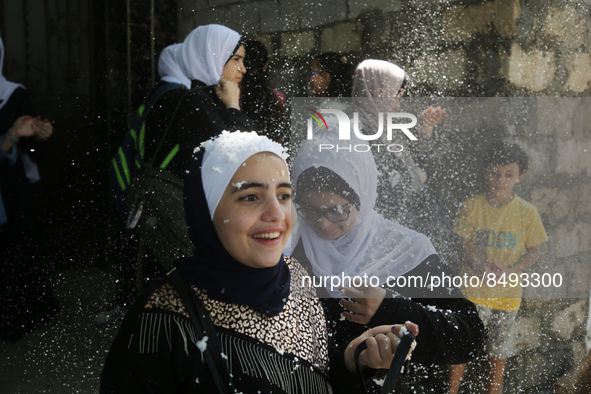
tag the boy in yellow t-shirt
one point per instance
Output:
(501, 235)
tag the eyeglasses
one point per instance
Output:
(312, 73)
(339, 213)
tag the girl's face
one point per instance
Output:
(234, 68)
(318, 80)
(328, 204)
(395, 103)
(253, 217)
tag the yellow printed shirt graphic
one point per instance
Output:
(500, 236)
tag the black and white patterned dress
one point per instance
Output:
(159, 351)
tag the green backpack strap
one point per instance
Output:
(170, 156)
(176, 148)
(144, 110)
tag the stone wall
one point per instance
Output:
(467, 48)
(471, 48)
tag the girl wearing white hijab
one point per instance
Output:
(380, 84)
(371, 243)
(16, 119)
(404, 196)
(169, 68)
(6, 87)
(340, 235)
(26, 302)
(272, 332)
(172, 83)
(210, 60)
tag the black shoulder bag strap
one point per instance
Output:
(395, 366)
(204, 328)
(171, 121)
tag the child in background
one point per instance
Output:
(501, 236)
(330, 75)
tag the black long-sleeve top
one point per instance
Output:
(201, 115)
(450, 330)
(157, 349)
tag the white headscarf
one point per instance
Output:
(205, 52)
(6, 87)
(377, 78)
(169, 68)
(376, 84)
(224, 154)
(374, 246)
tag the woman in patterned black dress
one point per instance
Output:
(273, 333)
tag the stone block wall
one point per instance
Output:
(471, 48)
(467, 48)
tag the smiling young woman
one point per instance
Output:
(238, 208)
(253, 217)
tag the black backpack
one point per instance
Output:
(130, 155)
(155, 204)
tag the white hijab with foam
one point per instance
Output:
(6, 87)
(223, 156)
(169, 68)
(205, 52)
(374, 246)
